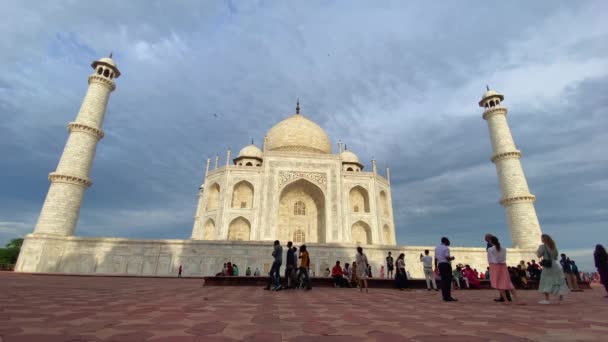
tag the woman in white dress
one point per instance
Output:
(362, 266)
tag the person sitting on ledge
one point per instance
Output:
(248, 271)
(338, 275)
(256, 273)
(235, 270)
(471, 276)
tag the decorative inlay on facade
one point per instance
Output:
(519, 199)
(102, 80)
(78, 127)
(55, 177)
(317, 177)
(494, 111)
(506, 155)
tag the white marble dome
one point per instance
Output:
(349, 157)
(298, 134)
(250, 151)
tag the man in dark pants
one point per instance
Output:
(290, 266)
(274, 276)
(442, 262)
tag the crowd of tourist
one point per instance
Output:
(555, 274)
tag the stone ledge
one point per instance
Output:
(494, 111)
(519, 199)
(55, 177)
(102, 80)
(78, 127)
(506, 155)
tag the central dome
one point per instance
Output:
(298, 134)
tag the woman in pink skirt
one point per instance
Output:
(499, 274)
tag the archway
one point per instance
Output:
(242, 195)
(359, 198)
(213, 198)
(239, 229)
(388, 237)
(209, 230)
(384, 204)
(301, 208)
(361, 233)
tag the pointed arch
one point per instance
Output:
(301, 207)
(384, 204)
(239, 229)
(359, 198)
(213, 197)
(242, 195)
(386, 233)
(361, 233)
(209, 230)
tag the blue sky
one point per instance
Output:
(398, 81)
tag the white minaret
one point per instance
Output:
(516, 197)
(61, 208)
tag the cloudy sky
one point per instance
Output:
(397, 81)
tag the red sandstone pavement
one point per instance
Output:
(67, 308)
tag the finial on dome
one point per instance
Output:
(251, 141)
(345, 147)
(298, 106)
(487, 87)
(110, 54)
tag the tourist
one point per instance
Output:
(179, 271)
(389, 265)
(488, 240)
(471, 276)
(274, 279)
(499, 274)
(362, 269)
(248, 271)
(229, 269)
(225, 271)
(552, 279)
(382, 271)
(338, 275)
(304, 265)
(575, 270)
(290, 265)
(570, 278)
(459, 278)
(400, 276)
(487, 273)
(348, 273)
(369, 270)
(443, 261)
(537, 270)
(427, 267)
(235, 270)
(601, 263)
(355, 278)
(256, 273)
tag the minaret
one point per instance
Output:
(61, 208)
(516, 197)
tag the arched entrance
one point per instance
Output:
(361, 233)
(302, 210)
(209, 230)
(239, 229)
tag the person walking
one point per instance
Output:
(179, 271)
(390, 264)
(290, 267)
(488, 239)
(570, 277)
(401, 277)
(500, 278)
(427, 267)
(443, 261)
(552, 279)
(601, 263)
(304, 266)
(362, 269)
(274, 281)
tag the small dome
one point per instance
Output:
(490, 93)
(299, 134)
(349, 157)
(109, 62)
(250, 151)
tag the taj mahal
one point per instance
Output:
(294, 187)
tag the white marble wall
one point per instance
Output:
(80, 255)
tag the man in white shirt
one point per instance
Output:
(442, 262)
(429, 275)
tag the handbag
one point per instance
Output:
(546, 262)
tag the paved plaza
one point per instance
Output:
(72, 308)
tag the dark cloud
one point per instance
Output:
(397, 82)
